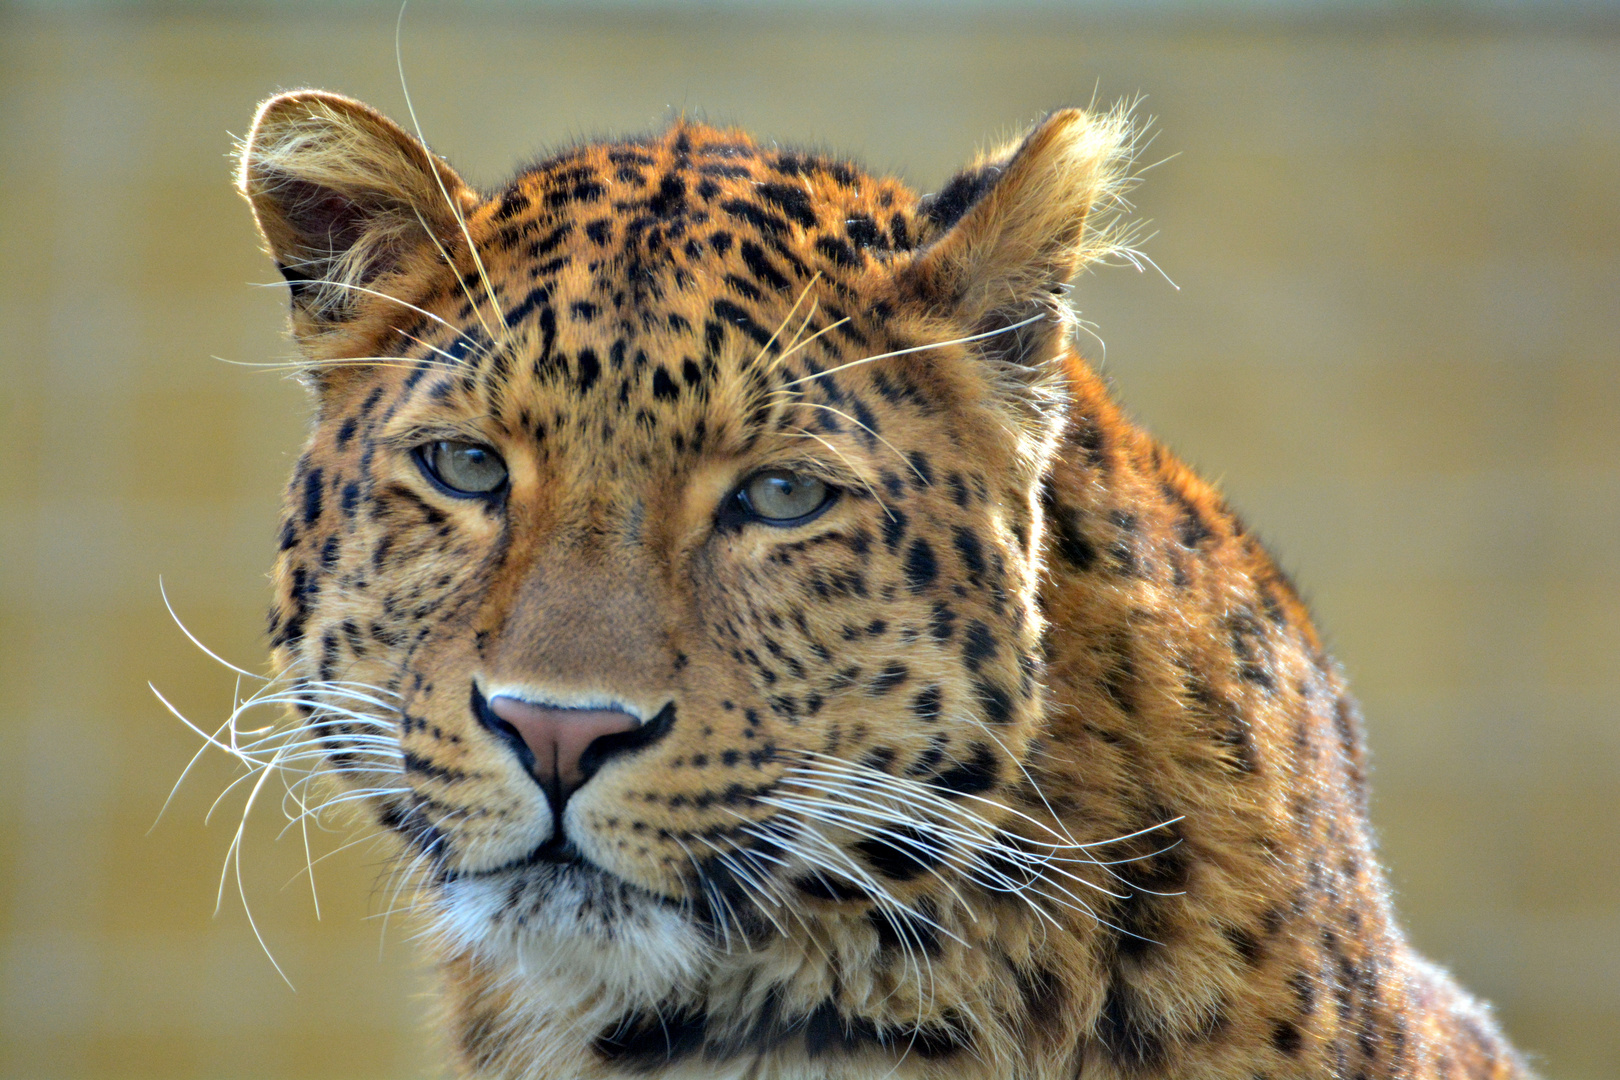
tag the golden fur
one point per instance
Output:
(1021, 759)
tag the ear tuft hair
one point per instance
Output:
(342, 195)
(1021, 221)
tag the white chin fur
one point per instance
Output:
(580, 935)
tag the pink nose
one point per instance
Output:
(558, 738)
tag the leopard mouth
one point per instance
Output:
(556, 853)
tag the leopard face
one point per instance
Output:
(742, 448)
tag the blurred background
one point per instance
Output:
(1395, 229)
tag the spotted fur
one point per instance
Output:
(1020, 760)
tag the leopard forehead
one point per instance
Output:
(673, 293)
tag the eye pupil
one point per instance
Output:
(465, 468)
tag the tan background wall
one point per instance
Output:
(1398, 248)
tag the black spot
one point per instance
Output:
(1191, 528)
(1244, 943)
(978, 645)
(823, 887)
(879, 758)
(590, 369)
(838, 251)
(1119, 680)
(1070, 543)
(901, 930)
(974, 776)
(1304, 991)
(513, 203)
(1286, 1037)
(946, 207)
(761, 266)
(901, 853)
(926, 705)
(740, 318)
(346, 432)
(827, 1031)
(479, 1037)
(1043, 993)
(863, 232)
(922, 471)
(664, 388)
(997, 703)
(1132, 1040)
(887, 679)
(894, 528)
(928, 761)
(312, 496)
(537, 297)
(942, 622)
(793, 201)
(670, 198)
(1123, 548)
(1167, 869)
(972, 553)
(645, 1042)
(921, 566)
(756, 216)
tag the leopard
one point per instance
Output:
(772, 652)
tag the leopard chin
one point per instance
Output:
(569, 923)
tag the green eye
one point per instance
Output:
(464, 468)
(779, 497)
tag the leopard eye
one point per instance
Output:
(463, 468)
(780, 497)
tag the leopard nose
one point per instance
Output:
(558, 739)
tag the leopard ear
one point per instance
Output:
(1017, 225)
(343, 196)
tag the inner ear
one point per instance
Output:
(325, 225)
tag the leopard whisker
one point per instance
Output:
(770, 886)
(334, 362)
(748, 879)
(402, 877)
(335, 283)
(1037, 866)
(206, 651)
(919, 348)
(455, 209)
(837, 861)
(892, 449)
(806, 343)
(919, 790)
(945, 818)
(804, 292)
(823, 812)
(313, 812)
(364, 838)
(721, 911)
(870, 490)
